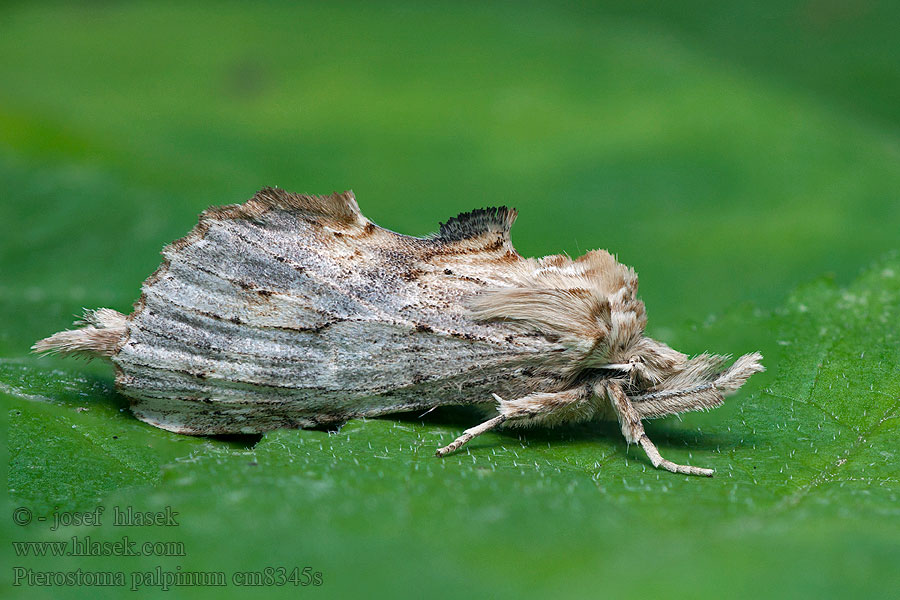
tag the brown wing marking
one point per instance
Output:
(338, 209)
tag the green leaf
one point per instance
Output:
(728, 152)
(805, 466)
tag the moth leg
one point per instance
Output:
(634, 433)
(540, 408)
(469, 434)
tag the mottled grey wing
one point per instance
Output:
(296, 310)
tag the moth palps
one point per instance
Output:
(297, 311)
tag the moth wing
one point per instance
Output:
(300, 300)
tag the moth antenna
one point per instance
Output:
(732, 378)
(703, 395)
(100, 334)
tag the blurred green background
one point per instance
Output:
(728, 151)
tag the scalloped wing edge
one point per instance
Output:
(339, 209)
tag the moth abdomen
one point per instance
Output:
(100, 334)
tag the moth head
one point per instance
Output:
(645, 362)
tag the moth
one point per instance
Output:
(297, 311)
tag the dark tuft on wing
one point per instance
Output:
(477, 223)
